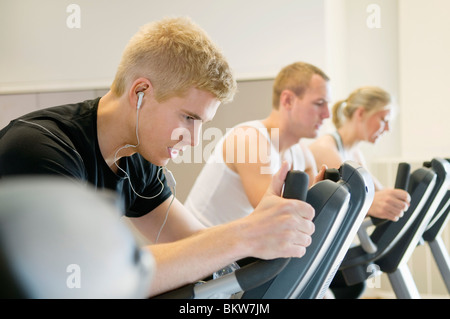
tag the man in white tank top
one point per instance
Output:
(240, 169)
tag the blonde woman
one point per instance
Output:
(362, 117)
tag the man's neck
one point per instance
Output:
(278, 134)
(112, 130)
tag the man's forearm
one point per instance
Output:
(194, 258)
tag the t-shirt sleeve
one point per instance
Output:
(31, 150)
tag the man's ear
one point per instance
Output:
(140, 85)
(287, 99)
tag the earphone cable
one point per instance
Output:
(170, 180)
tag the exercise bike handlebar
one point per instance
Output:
(401, 182)
(403, 174)
(255, 274)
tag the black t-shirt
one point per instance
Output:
(62, 140)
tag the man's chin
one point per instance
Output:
(158, 161)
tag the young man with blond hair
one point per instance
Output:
(236, 176)
(170, 76)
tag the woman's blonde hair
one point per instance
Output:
(296, 78)
(175, 55)
(371, 98)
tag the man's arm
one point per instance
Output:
(180, 222)
(277, 228)
(246, 152)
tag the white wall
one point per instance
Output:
(39, 52)
(360, 53)
(408, 56)
(425, 77)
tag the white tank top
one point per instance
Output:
(340, 146)
(218, 195)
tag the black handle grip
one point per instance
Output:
(401, 182)
(403, 174)
(296, 185)
(332, 174)
(255, 274)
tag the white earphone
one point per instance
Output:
(140, 97)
